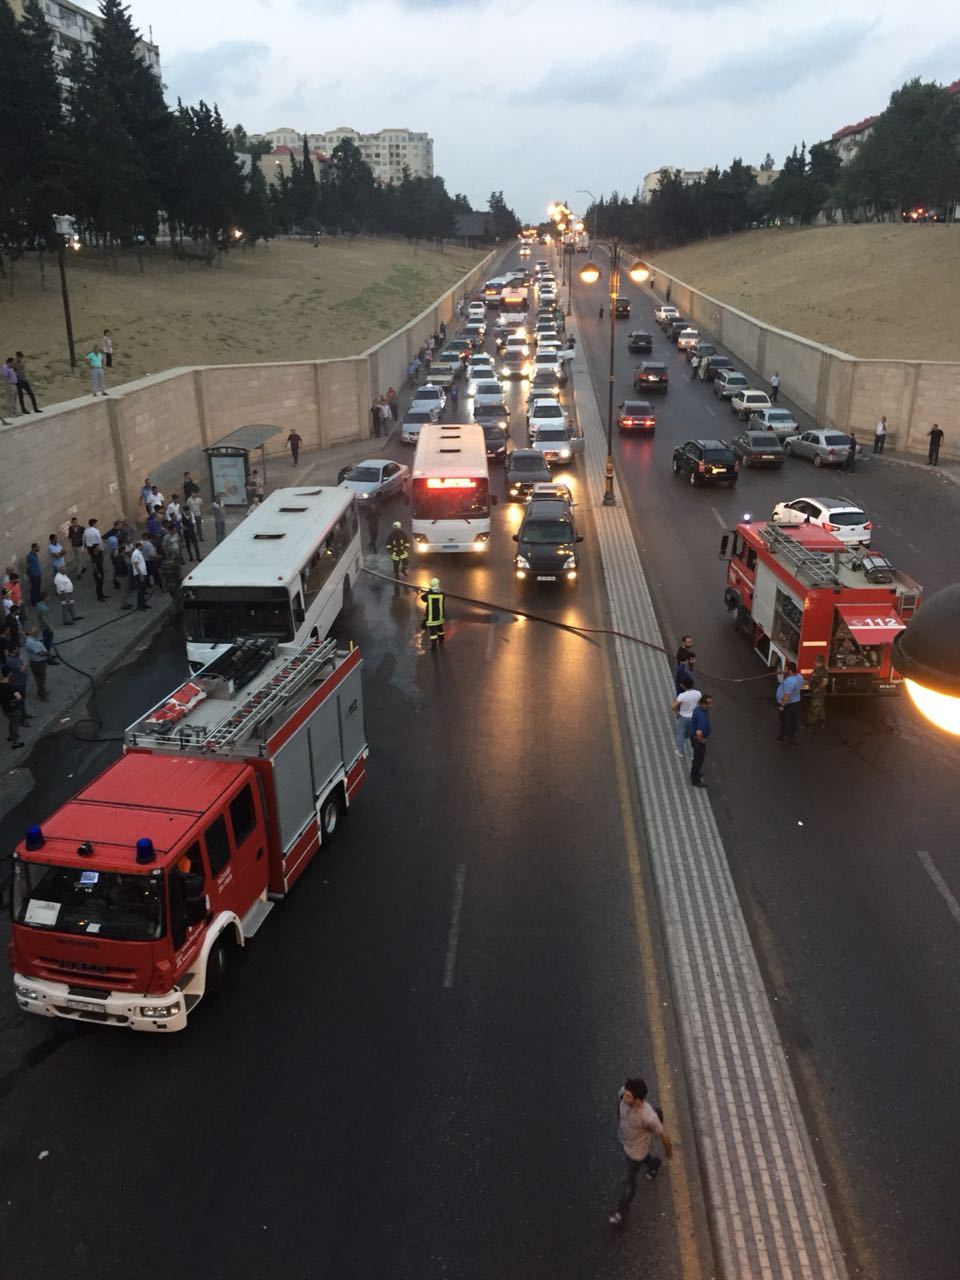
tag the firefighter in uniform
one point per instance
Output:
(398, 544)
(817, 691)
(433, 598)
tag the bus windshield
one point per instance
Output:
(450, 499)
(218, 614)
(89, 901)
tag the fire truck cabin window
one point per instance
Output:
(242, 816)
(218, 845)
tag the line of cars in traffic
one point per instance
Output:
(528, 346)
(771, 433)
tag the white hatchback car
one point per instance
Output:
(839, 516)
(476, 311)
(688, 338)
(745, 402)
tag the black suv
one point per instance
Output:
(640, 341)
(706, 462)
(547, 543)
(524, 468)
(651, 376)
(621, 308)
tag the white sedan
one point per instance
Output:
(429, 397)
(545, 412)
(839, 516)
(376, 478)
(476, 311)
(487, 390)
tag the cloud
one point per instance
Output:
(606, 82)
(770, 70)
(939, 63)
(232, 68)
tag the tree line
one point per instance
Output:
(105, 149)
(911, 158)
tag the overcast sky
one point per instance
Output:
(540, 97)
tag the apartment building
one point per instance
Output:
(651, 181)
(73, 29)
(387, 153)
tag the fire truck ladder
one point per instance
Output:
(300, 670)
(816, 566)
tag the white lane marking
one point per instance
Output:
(453, 937)
(953, 906)
(710, 410)
(719, 518)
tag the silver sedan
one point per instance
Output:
(376, 478)
(825, 447)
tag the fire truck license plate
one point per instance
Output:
(85, 1006)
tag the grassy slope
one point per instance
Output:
(874, 290)
(285, 302)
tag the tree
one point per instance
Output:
(504, 223)
(213, 195)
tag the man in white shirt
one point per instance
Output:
(683, 707)
(880, 435)
(153, 501)
(194, 505)
(173, 508)
(138, 568)
(639, 1124)
(64, 589)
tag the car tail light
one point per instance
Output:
(831, 452)
(648, 422)
(628, 422)
(830, 528)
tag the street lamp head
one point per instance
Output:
(639, 272)
(589, 273)
(927, 655)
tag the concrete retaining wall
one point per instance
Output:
(90, 456)
(837, 389)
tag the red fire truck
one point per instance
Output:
(128, 900)
(798, 591)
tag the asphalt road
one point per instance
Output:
(412, 1072)
(836, 846)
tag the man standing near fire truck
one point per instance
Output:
(817, 696)
(788, 700)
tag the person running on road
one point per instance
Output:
(638, 1124)
(398, 544)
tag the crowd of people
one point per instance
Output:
(134, 557)
(18, 389)
(420, 363)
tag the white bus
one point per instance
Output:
(451, 499)
(284, 573)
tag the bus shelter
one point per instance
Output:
(229, 461)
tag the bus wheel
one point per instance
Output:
(329, 817)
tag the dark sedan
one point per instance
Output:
(497, 441)
(708, 369)
(524, 468)
(700, 351)
(636, 415)
(758, 449)
(651, 376)
(675, 328)
(640, 341)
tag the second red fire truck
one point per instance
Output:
(798, 592)
(129, 899)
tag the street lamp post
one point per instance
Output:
(65, 293)
(583, 191)
(590, 274)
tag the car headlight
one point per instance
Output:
(521, 562)
(564, 453)
(159, 1010)
(570, 562)
(27, 993)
